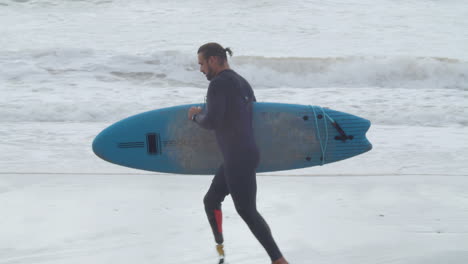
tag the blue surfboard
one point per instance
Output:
(289, 136)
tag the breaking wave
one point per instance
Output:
(174, 68)
(95, 86)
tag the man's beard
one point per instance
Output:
(209, 74)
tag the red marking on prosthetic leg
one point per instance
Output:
(219, 220)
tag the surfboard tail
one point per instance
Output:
(348, 136)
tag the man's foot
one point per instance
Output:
(220, 249)
(280, 261)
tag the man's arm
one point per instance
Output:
(215, 109)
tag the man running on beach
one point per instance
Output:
(228, 112)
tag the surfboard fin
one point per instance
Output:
(343, 137)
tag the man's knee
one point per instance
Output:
(247, 213)
(212, 201)
(207, 200)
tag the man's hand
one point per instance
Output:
(193, 111)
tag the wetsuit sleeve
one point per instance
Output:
(213, 115)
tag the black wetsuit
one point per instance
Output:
(228, 112)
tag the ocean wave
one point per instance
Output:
(98, 86)
(172, 68)
(387, 72)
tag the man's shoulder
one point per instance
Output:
(223, 79)
(219, 86)
(226, 75)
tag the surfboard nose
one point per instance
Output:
(98, 145)
(104, 144)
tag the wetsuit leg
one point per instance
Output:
(213, 198)
(242, 184)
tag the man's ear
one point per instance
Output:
(213, 60)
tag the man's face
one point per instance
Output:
(206, 66)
